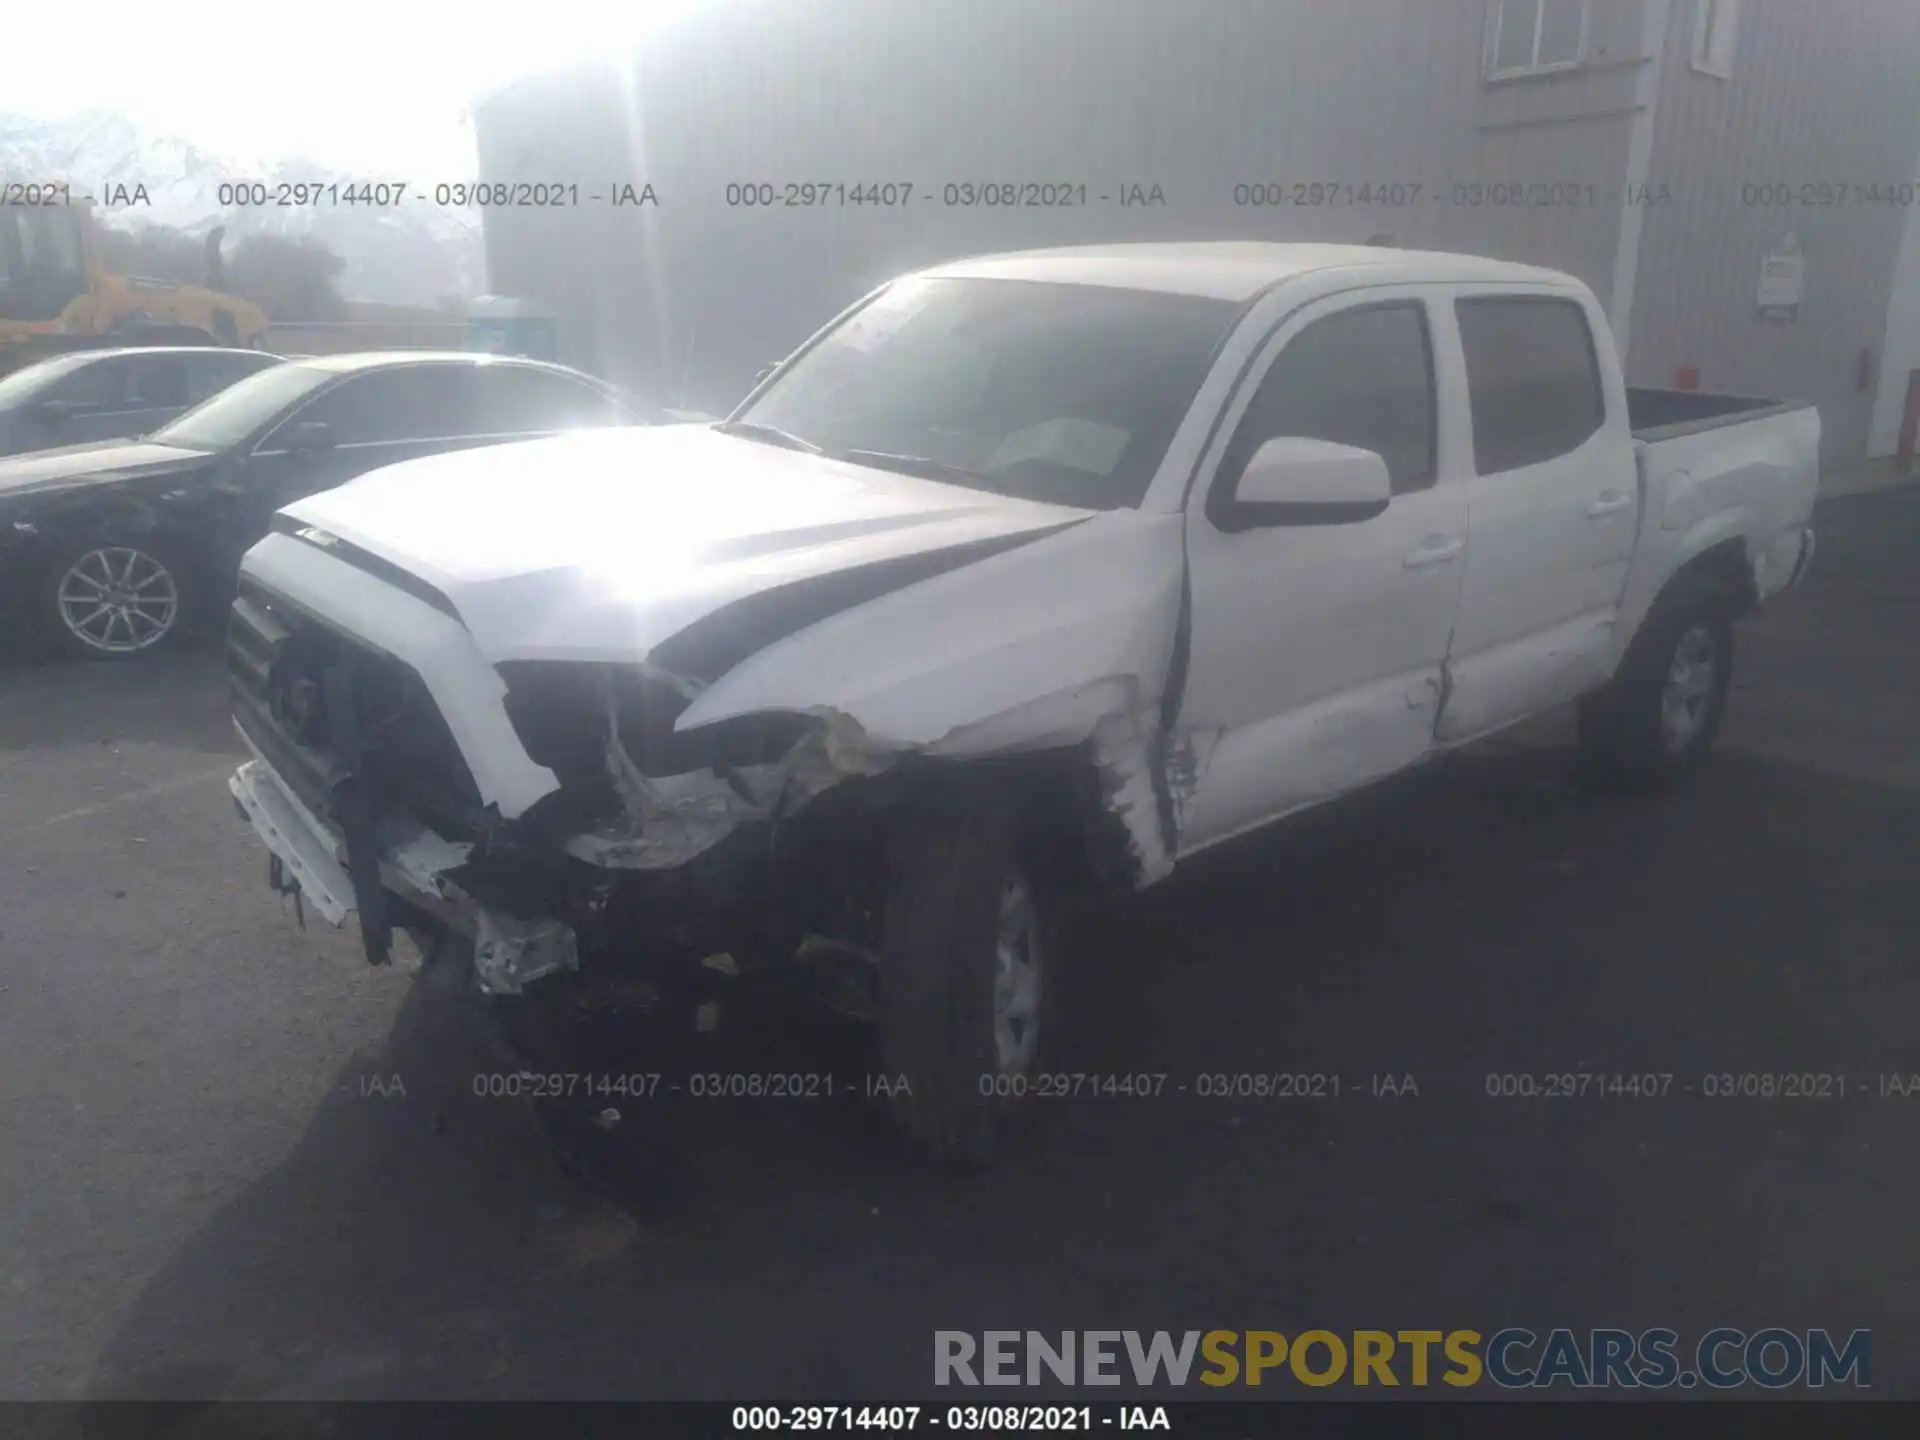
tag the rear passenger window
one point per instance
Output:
(92, 387)
(210, 374)
(1533, 380)
(518, 400)
(1361, 377)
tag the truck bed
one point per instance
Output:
(1655, 414)
(1715, 469)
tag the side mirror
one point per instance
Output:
(311, 435)
(54, 413)
(764, 371)
(1292, 480)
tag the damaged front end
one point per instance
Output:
(653, 845)
(635, 841)
(635, 794)
(395, 874)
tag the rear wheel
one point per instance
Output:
(1654, 724)
(966, 983)
(115, 597)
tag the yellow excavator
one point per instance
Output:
(56, 293)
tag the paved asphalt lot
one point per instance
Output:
(198, 1199)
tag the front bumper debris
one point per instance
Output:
(415, 864)
(510, 953)
(306, 849)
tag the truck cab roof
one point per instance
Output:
(1236, 270)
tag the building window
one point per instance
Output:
(1534, 37)
(1714, 24)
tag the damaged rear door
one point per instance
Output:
(1318, 642)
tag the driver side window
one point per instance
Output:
(1360, 377)
(417, 402)
(153, 382)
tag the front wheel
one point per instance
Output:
(966, 979)
(1656, 721)
(115, 597)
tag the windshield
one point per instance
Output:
(26, 383)
(1068, 394)
(225, 419)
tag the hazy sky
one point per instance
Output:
(352, 84)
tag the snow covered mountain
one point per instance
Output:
(409, 253)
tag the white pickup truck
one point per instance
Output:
(1026, 574)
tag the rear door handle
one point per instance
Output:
(1434, 550)
(1609, 502)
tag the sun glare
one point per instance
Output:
(360, 87)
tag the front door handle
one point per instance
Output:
(1609, 502)
(1434, 550)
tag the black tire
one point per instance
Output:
(1626, 739)
(62, 597)
(951, 867)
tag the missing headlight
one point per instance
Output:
(558, 710)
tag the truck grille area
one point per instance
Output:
(278, 657)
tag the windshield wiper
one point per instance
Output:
(768, 434)
(922, 466)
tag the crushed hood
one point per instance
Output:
(604, 544)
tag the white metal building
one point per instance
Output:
(1737, 179)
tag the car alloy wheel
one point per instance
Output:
(1687, 694)
(118, 600)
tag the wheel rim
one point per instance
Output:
(1016, 979)
(118, 600)
(1687, 695)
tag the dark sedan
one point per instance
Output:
(112, 549)
(113, 394)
